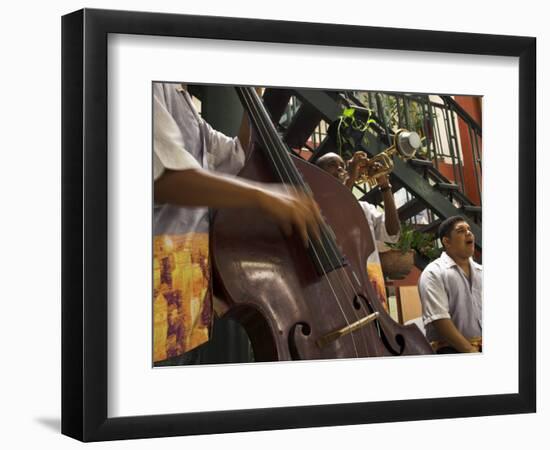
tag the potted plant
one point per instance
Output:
(399, 260)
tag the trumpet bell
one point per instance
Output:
(407, 143)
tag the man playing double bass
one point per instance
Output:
(192, 165)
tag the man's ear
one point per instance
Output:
(445, 241)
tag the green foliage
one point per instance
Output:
(411, 239)
(351, 129)
(348, 112)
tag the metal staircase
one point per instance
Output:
(302, 115)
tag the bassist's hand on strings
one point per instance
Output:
(292, 211)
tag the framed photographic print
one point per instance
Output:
(239, 198)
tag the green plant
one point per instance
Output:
(412, 239)
(351, 127)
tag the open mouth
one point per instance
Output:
(470, 242)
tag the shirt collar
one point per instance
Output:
(447, 260)
(450, 262)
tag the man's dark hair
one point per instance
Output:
(448, 225)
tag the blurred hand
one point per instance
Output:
(292, 211)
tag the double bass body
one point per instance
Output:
(271, 286)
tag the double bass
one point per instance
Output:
(299, 303)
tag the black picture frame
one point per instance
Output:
(84, 224)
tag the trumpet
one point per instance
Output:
(405, 144)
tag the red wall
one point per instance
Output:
(472, 105)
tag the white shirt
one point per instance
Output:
(168, 147)
(377, 227)
(378, 231)
(183, 140)
(181, 136)
(446, 293)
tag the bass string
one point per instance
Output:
(331, 241)
(295, 178)
(263, 130)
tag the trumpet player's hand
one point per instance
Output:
(355, 167)
(356, 163)
(383, 181)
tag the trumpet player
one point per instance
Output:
(384, 226)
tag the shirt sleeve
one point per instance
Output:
(434, 299)
(225, 154)
(378, 224)
(168, 149)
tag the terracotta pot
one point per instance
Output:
(397, 265)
